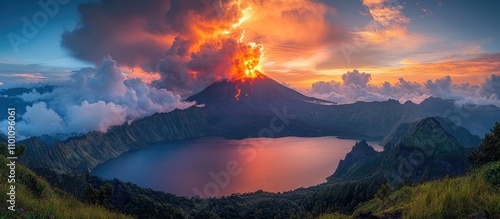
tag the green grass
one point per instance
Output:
(334, 216)
(38, 199)
(446, 198)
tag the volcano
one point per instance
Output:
(244, 107)
(257, 93)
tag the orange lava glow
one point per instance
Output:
(238, 93)
(247, 63)
(237, 58)
(246, 81)
(248, 60)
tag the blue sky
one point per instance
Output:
(42, 55)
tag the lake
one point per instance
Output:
(214, 167)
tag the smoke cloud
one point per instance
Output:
(355, 87)
(135, 33)
(209, 45)
(191, 44)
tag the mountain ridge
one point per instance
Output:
(426, 152)
(462, 135)
(259, 114)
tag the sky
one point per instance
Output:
(417, 40)
(129, 58)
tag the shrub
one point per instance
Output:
(489, 150)
(492, 174)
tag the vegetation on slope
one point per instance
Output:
(444, 198)
(425, 152)
(489, 150)
(478, 192)
(476, 195)
(35, 198)
(146, 203)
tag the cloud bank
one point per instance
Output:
(355, 86)
(94, 99)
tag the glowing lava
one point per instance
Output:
(244, 84)
(248, 59)
(238, 93)
(219, 47)
(247, 62)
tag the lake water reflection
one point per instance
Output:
(219, 167)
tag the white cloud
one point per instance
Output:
(94, 99)
(40, 120)
(95, 116)
(356, 78)
(356, 87)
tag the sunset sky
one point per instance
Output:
(304, 41)
(115, 61)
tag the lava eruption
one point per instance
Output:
(210, 46)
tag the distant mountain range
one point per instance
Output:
(253, 108)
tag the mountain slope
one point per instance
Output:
(261, 100)
(35, 198)
(426, 152)
(460, 197)
(82, 154)
(260, 92)
(360, 160)
(462, 135)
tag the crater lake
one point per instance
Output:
(215, 167)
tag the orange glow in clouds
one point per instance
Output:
(245, 57)
(250, 56)
(303, 44)
(137, 72)
(247, 61)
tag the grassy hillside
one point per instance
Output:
(35, 198)
(445, 198)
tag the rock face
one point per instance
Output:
(427, 151)
(264, 108)
(396, 136)
(361, 152)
